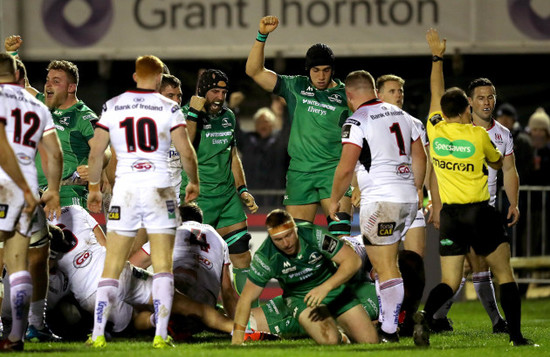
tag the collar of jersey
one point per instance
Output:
(490, 127)
(141, 90)
(370, 102)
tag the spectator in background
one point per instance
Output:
(523, 149)
(539, 130)
(265, 160)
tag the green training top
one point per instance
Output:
(317, 116)
(214, 141)
(308, 269)
(74, 129)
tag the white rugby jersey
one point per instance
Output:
(200, 254)
(139, 124)
(384, 132)
(422, 131)
(504, 141)
(82, 265)
(25, 120)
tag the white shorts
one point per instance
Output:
(419, 221)
(12, 217)
(135, 285)
(133, 208)
(384, 223)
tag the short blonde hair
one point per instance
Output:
(149, 65)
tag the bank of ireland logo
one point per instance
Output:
(86, 34)
(461, 149)
(531, 17)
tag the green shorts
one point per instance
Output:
(303, 188)
(73, 195)
(366, 294)
(222, 211)
(337, 301)
(279, 318)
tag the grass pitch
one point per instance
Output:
(472, 338)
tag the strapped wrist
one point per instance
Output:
(241, 189)
(261, 37)
(436, 58)
(193, 114)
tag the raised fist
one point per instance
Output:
(268, 24)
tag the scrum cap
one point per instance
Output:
(319, 55)
(211, 78)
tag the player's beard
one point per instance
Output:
(212, 108)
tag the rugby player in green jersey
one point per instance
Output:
(317, 109)
(223, 191)
(302, 258)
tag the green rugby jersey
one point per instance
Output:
(74, 129)
(315, 142)
(214, 141)
(308, 269)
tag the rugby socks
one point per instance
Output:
(391, 298)
(438, 296)
(104, 298)
(414, 279)
(239, 279)
(483, 285)
(444, 310)
(163, 295)
(511, 304)
(20, 297)
(36, 315)
(341, 227)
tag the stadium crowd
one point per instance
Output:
(171, 176)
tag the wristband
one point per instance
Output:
(261, 37)
(242, 189)
(436, 58)
(193, 114)
(14, 53)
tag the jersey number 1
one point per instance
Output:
(147, 135)
(396, 129)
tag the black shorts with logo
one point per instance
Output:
(477, 225)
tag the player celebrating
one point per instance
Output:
(139, 124)
(223, 185)
(317, 109)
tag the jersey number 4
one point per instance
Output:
(29, 118)
(147, 134)
(199, 238)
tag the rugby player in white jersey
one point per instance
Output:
(380, 143)
(140, 125)
(201, 266)
(26, 123)
(170, 87)
(201, 261)
(390, 90)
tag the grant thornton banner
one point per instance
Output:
(191, 29)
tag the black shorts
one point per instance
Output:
(475, 225)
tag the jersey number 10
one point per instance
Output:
(147, 135)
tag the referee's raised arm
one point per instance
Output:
(437, 82)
